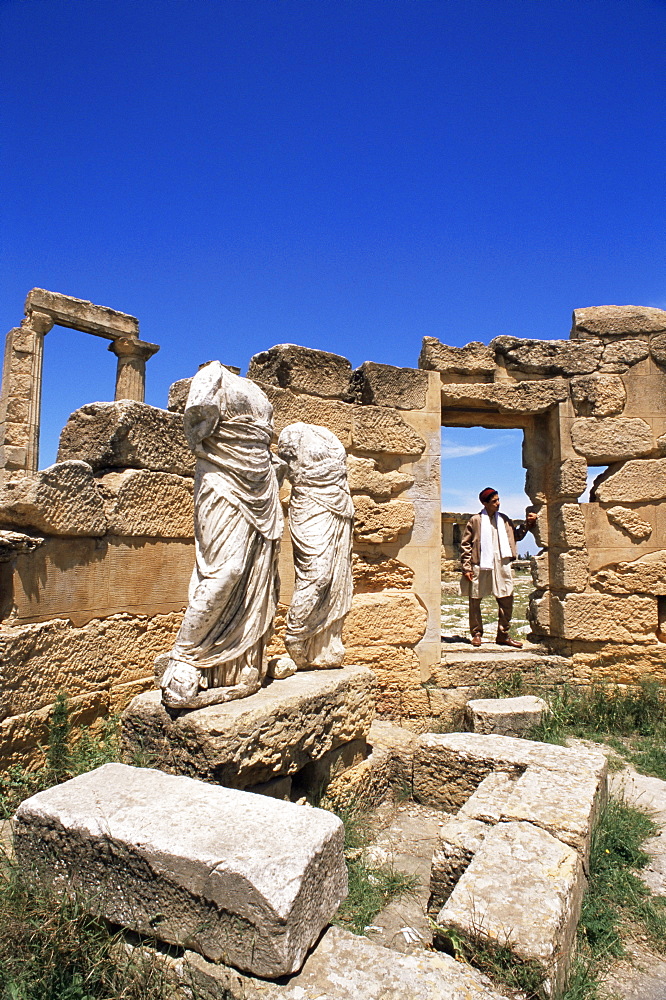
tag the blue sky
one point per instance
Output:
(345, 174)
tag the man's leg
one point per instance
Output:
(505, 610)
(475, 620)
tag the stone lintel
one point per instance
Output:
(78, 314)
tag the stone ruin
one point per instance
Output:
(97, 552)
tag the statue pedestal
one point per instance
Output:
(284, 727)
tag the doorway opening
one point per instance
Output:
(473, 458)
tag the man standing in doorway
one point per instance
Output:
(488, 547)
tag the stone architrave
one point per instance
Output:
(321, 517)
(243, 879)
(218, 654)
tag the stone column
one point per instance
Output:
(22, 393)
(132, 355)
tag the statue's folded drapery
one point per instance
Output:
(320, 521)
(238, 525)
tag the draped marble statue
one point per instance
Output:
(321, 517)
(218, 654)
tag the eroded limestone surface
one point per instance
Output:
(274, 732)
(244, 879)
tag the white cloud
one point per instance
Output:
(464, 451)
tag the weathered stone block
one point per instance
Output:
(448, 768)
(178, 393)
(598, 395)
(567, 527)
(289, 407)
(155, 504)
(512, 397)
(81, 315)
(302, 369)
(374, 573)
(603, 618)
(569, 570)
(549, 357)
(381, 522)
(565, 804)
(391, 617)
(63, 499)
(615, 321)
(485, 804)
(244, 879)
(385, 385)
(460, 839)
(276, 731)
(635, 482)
(537, 891)
(472, 359)
(658, 348)
(363, 476)
(570, 477)
(628, 520)
(127, 434)
(343, 966)
(621, 355)
(505, 716)
(611, 439)
(378, 429)
(646, 575)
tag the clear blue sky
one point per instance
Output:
(344, 174)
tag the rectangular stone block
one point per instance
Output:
(537, 891)
(460, 839)
(448, 768)
(276, 731)
(243, 879)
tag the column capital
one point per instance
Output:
(131, 348)
(40, 322)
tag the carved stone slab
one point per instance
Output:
(276, 731)
(244, 879)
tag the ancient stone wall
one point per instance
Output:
(96, 551)
(453, 526)
(99, 547)
(596, 400)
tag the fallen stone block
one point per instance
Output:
(486, 804)
(505, 716)
(449, 767)
(277, 731)
(244, 879)
(460, 839)
(523, 889)
(565, 803)
(343, 966)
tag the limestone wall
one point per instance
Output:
(99, 547)
(597, 402)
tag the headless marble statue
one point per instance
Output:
(321, 517)
(218, 655)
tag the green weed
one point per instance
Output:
(51, 949)
(371, 887)
(66, 754)
(496, 960)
